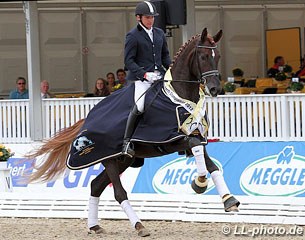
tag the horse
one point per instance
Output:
(192, 74)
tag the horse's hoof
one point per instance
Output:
(230, 203)
(96, 230)
(232, 209)
(199, 187)
(143, 232)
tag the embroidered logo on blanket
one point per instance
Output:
(83, 145)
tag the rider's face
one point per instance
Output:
(147, 21)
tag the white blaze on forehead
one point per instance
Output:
(151, 9)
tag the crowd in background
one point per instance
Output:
(114, 81)
(102, 87)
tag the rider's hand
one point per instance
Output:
(152, 76)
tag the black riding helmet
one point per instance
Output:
(146, 8)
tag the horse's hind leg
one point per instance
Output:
(98, 185)
(120, 195)
(230, 202)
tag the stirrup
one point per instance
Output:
(127, 149)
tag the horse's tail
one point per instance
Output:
(55, 151)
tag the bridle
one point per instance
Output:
(202, 76)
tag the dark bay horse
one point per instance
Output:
(194, 68)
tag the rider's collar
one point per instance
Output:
(148, 31)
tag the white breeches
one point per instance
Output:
(139, 97)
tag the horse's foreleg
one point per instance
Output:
(98, 185)
(200, 183)
(120, 195)
(230, 202)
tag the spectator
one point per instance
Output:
(111, 81)
(301, 71)
(278, 66)
(121, 77)
(100, 89)
(20, 92)
(44, 89)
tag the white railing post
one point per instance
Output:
(285, 117)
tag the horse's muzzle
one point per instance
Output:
(214, 91)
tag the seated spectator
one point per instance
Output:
(121, 77)
(301, 71)
(100, 89)
(20, 92)
(111, 81)
(278, 66)
(44, 89)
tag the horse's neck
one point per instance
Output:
(188, 89)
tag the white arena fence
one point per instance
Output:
(192, 208)
(239, 118)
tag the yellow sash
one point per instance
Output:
(196, 120)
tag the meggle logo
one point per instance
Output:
(277, 175)
(177, 176)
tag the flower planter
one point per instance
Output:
(6, 184)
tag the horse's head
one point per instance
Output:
(205, 62)
(196, 62)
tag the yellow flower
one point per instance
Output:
(8, 149)
(118, 86)
(1, 146)
(1, 154)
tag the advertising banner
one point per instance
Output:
(249, 168)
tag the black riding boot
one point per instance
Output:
(132, 122)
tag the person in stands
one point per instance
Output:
(278, 66)
(44, 89)
(100, 88)
(301, 71)
(111, 82)
(121, 77)
(21, 92)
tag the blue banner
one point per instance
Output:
(249, 168)
(19, 167)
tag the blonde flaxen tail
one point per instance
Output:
(55, 151)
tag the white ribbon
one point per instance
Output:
(197, 111)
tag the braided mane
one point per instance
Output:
(181, 49)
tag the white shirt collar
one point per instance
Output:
(148, 31)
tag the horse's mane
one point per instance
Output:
(183, 47)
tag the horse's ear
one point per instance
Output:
(218, 36)
(204, 34)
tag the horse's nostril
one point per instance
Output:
(213, 92)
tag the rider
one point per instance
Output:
(146, 59)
